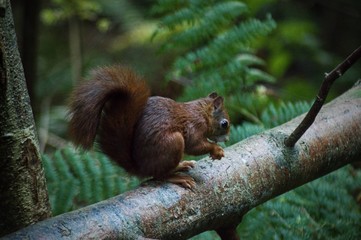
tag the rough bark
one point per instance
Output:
(23, 193)
(253, 171)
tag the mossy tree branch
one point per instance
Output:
(253, 171)
(23, 192)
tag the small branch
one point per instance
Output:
(321, 97)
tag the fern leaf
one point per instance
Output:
(165, 6)
(309, 212)
(50, 171)
(254, 75)
(274, 116)
(61, 200)
(238, 133)
(76, 179)
(226, 45)
(210, 23)
(62, 166)
(182, 16)
(79, 171)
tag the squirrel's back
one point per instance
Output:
(146, 136)
(112, 101)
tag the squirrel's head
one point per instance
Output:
(220, 120)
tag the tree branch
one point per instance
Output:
(253, 171)
(321, 97)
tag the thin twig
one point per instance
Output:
(321, 97)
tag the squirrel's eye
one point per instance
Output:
(224, 123)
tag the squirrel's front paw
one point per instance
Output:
(217, 152)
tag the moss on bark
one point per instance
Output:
(23, 193)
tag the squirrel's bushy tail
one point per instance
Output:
(112, 101)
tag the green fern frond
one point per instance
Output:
(254, 75)
(225, 46)
(247, 106)
(76, 179)
(182, 16)
(62, 166)
(238, 133)
(249, 59)
(217, 37)
(77, 170)
(210, 22)
(165, 6)
(62, 195)
(274, 116)
(62, 185)
(49, 169)
(322, 209)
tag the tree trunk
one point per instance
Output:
(23, 193)
(252, 172)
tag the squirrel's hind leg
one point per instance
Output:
(185, 181)
(162, 158)
(171, 163)
(182, 179)
(185, 165)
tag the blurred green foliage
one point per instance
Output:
(62, 10)
(104, 14)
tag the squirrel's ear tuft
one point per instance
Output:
(218, 103)
(213, 95)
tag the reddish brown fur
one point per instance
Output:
(114, 99)
(146, 136)
(166, 129)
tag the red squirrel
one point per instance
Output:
(147, 136)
